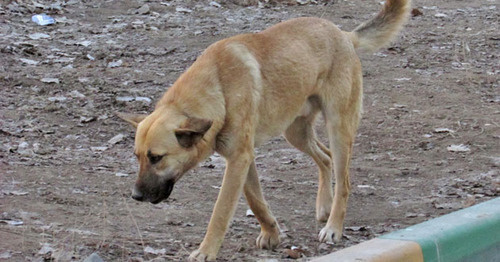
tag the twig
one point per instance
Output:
(135, 222)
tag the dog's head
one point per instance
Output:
(166, 145)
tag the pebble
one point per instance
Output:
(143, 10)
(116, 139)
(115, 64)
(50, 80)
(37, 36)
(94, 257)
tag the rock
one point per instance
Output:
(293, 254)
(116, 139)
(115, 64)
(98, 148)
(183, 10)
(458, 148)
(50, 80)
(12, 222)
(495, 161)
(24, 149)
(143, 99)
(250, 213)
(356, 228)
(57, 98)
(324, 247)
(37, 36)
(121, 175)
(87, 119)
(85, 43)
(443, 130)
(426, 145)
(76, 94)
(46, 249)
(28, 61)
(94, 257)
(143, 10)
(151, 250)
(215, 4)
(5, 255)
(124, 98)
(416, 12)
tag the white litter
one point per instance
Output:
(458, 148)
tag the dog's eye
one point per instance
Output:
(153, 159)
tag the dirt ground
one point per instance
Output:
(428, 143)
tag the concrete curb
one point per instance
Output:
(470, 234)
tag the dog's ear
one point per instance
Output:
(192, 131)
(133, 119)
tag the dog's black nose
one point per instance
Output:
(137, 195)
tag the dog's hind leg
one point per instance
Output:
(302, 136)
(341, 125)
(269, 234)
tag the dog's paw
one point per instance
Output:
(330, 234)
(268, 240)
(199, 256)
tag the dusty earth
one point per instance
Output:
(428, 143)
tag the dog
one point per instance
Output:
(245, 89)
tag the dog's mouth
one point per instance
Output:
(153, 195)
(165, 191)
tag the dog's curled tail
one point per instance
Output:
(380, 30)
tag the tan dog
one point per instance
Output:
(248, 88)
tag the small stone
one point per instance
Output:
(94, 257)
(87, 119)
(85, 43)
(46, 249)
(124, 98)
(57, 98)
(143, 10)
(416, 12)
(458, 148)
(143, 99)
(426, 145)
(5, 255)
(151, 250)
(115, 64)
(250, 213)
(443, 130)
(183, 10)
(76, 94)
(37, 36)
(121, 175)
(293, 254)
(495, 161)
(116, 139)
(24, 149)
(215, 4)
(12, 222)
(29, 61)
(98, 148)
(50, 80)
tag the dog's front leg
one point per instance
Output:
(232, 186)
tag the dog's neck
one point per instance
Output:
(208, 104)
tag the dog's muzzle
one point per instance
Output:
(154, 195)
